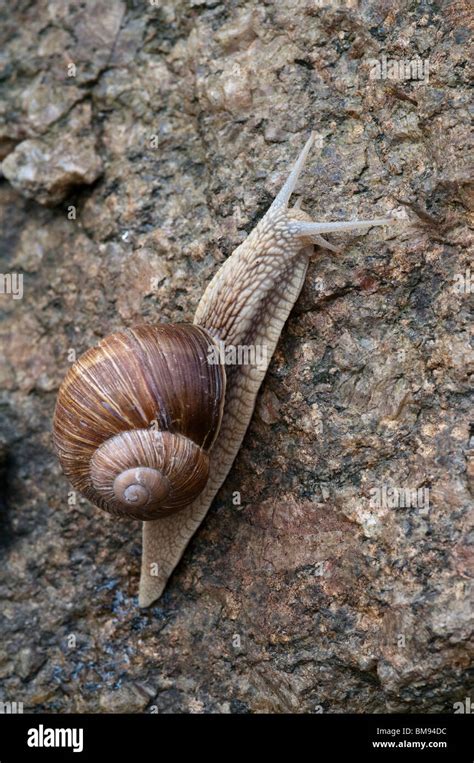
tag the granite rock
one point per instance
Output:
(341, 581)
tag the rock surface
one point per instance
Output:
(48, 169)
(322, 591)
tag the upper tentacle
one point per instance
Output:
(283, 197)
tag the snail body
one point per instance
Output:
(146, 426)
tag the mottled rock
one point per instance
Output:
(28, 661)
(333, 571)
(47, 169)
(131, 698)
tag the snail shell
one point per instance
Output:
(136, 416)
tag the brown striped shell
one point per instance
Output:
(136, 416)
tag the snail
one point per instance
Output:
(148, 423)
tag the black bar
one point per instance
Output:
(154, 737)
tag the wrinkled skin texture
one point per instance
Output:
(177, 131)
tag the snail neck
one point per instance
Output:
(243, 302)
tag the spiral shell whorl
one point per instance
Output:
(163, 472)
(140, 487)
(136, 417)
